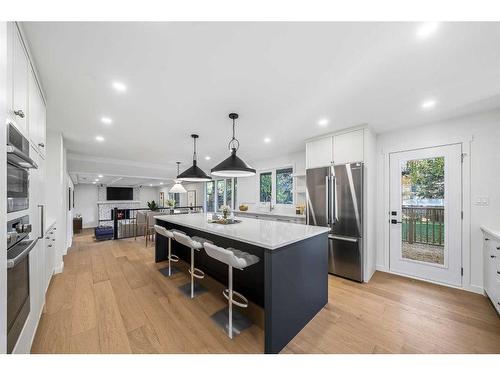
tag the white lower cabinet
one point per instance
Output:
(491, 263)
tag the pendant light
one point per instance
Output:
(233, 166)
(194, 173)
(177, 188)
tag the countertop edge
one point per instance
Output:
(323, 230)
(491, 232)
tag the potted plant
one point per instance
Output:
(153, 206)
(171, 204)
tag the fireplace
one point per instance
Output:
(121, 214)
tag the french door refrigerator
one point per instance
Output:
(334, 198)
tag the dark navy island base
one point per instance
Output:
(290, 283)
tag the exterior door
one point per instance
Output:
(425, 213)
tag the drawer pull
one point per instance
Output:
(19, 113)
(498, 247)
(486, 239)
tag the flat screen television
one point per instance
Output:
(119, 194)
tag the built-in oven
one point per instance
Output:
(18, 164)
(19, 246)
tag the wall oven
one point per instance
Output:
(18, 163)
(19, 246)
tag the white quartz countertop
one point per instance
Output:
(492, 232)
(271, 213)
(263, 233)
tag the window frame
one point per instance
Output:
(274, 187)
(234, 185)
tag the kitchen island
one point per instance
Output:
(290, 282)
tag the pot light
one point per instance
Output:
(426, 29)
(100, 176)
(161, 183)
(99, 138)
(207, 158)
(428, 104)
(119, 86)
(323, 122)
(267, 140)
(106, 120)
(150, 184)
(233, 166)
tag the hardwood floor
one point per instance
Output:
(112, 299)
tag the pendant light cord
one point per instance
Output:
(194, 154)
(234, 142)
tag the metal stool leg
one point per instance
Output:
(230, 302)
(192, 273)
(169, 256)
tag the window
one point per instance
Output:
(265, 184)
(284, 186)
(221, 188)
(210, 196)
(176, 197)
(220, 193)
(229, 192)
(276, 186)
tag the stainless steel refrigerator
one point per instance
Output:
(335, 199)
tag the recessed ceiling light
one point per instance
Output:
(428, 104)
(106, 120)
(99, 138)
(100, 176)
(267, 140)
(119, 86)
(207, 157)
(426, 29)
(323, 122)
(150, 184)
(161, 183)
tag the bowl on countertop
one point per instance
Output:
(243, 207)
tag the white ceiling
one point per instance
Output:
(280, 77)
(114, 180)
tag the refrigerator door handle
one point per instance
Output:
(335, 208)
(327, 211)
(348, 239)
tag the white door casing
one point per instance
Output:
(450, 272)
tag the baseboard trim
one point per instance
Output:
(469, 288)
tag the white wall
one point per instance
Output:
(481, 136)
(147, 194)
(86, 204)
(248, 188)
(198, 187)
(56, 188)
(3, 186)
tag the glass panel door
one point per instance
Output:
(425, 200)
(423, 224)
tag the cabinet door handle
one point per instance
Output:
(492, 256)
(41, 144)
(19, 113)
(50, 246)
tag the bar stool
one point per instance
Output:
(240, 260)
(194, 243)
(168, 271)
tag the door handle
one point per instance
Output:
(19, 113)
(42, 224)
(348, 239)
(394, 221)
(327, 211)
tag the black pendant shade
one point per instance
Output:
(194, 173)
(233, 166)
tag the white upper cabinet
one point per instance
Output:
(319, 153)
(36, 118)
(348, 147)
(19, 110)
